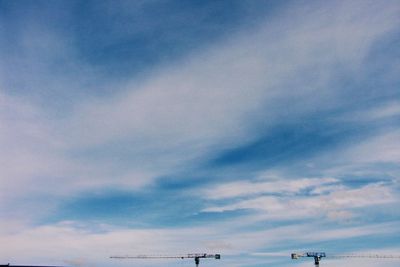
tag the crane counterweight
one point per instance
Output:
(195, 256)
(319, 255)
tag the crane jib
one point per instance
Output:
(195, 256)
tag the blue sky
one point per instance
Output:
(173, 127)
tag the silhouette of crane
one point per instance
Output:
(319, 255)
(195, 256)
(316, 255)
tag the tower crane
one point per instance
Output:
(195, 256)
(319, 255)
(316, 255)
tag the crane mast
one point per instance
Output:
(319, 255)
(195, 256)
(316, 255)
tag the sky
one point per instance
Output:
(252, 129)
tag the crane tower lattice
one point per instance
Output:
(319, 255)
(195, 256)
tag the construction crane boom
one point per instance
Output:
(316, 255)
(374, 256)
(195, 256)
(319, 255)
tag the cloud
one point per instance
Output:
(202, 98)
(36, 166)
(208, 101)
(182, 111)
(337, 204)
(391, 109)
(374, 157)
(383, 148)
(298, 66)
(29, 152)
(279, 186)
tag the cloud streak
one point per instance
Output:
(300, 96)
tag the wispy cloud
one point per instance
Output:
(246, 188)
(335, 204)
(269, 133)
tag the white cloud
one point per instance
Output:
(336, 205)
(206, 99)
(376, 156)
(281, 186)
(387, 110)
(384, 148)
(36, 165)
(181, 112)
(28, 150)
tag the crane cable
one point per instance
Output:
(375, 256)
